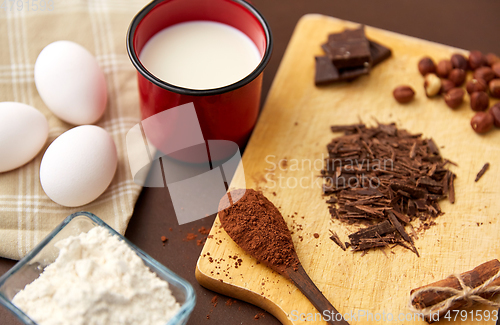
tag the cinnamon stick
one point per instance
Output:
(472, 279)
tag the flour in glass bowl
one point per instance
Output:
(97, 280)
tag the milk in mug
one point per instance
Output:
(200, 55)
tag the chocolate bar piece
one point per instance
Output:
(348, 49)
(363, 54)
(378, 52)
(349, 74)
(327, 73)
(347, 34)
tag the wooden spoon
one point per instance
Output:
(258, 227)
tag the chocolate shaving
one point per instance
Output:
(371, 232)
(452, 188)
(386, 177)
(402, 231)
(337, 240)
(482, 171)
(432, 147)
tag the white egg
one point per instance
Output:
(71, 83)
(78, 166)
(23, 132)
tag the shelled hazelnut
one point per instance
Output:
(496, 69)
(432, 85)
(457, 76)
(479, 101)
(476, 85)
(446, 85)
(491, 59)
(454, 98)
(449, 75)
(444, 68)
(495, 112)
(485, 73)
(459, 61)
(476, 60)
(403, 94)
(482, 122)
(495, 88)
(426, 65)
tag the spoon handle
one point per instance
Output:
(302, 281)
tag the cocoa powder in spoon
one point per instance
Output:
(258, 227)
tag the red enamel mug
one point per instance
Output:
(225, 113)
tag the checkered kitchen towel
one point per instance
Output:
(27, 215)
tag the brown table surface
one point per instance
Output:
(471, 24)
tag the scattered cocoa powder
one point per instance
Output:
(214, 300)
(204, 231)
(231, 302)
(258, 227)
(316, 235)
(190, 236)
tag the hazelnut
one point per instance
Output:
(458, 61)
(496, 69)
(476, 85)
(446, 85)
(479, 101)
(495, 112)
(491, 59)
(485, 73)
(482, 122)
(476, 60)
(444, 68)
(403, 94)
(432, 85)
(454, 97)
(457, 76)
(495, 88)
(426, 65)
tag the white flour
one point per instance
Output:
(97, 280)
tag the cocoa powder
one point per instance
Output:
(204, 231)
(190, 236)
(258, 227)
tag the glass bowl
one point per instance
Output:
(30, 267)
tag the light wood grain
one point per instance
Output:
(295, 125)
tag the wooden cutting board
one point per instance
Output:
(294, 125)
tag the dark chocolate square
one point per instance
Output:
(348, 49)
(379, 52)
(347, 34)
(327, 73)
(349, 74)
